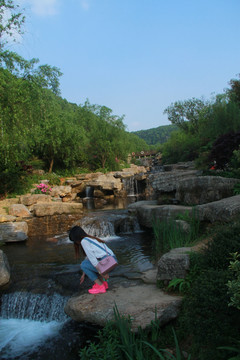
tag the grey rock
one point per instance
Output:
(141, 302)
(204, 189)
(223, 210)
(13, 231)
(168, 181)
(56, 208)
(29, 200)
(174, 264)
(147, 211)
(4, 269)
(19, 210)
(7, 218)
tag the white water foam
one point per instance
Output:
(18, 336)
(28, 320)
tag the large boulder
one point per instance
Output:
(46, 209)
(204, 189)
(174, 264)
(223, 210)
(29, 200)
(7, 218)
(162, 182)
(108, 224)
(19, 210)
(129, 172)
(61, 191)
(147, 211)
(4, 269)
(141, 302)
(106, 182)
(13, 231)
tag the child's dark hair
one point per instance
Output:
(77, 233)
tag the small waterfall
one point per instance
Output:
(109, 225)
(98, 228)
(37, 307)
(89, 191)
(128, 226)
(130, 185)
(28, 321)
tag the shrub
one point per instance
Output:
(206, 313)
(224, 242)
(234, 284)
(223, 147)
(208, 317)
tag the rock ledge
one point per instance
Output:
(141, 302)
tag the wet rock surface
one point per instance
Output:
(142, 302)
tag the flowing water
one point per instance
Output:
(44, 275)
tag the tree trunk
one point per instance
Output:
(51, 166)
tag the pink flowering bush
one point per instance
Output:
(42, 189)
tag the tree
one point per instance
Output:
(222, 149)
(11, 21)
(47, 77)
(234, 91)
(156, 135)
(185, 114)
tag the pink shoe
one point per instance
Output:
(105, 284)
(97, 289)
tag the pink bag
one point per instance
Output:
(106, 265)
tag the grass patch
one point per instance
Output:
(170, 234)
(117, 341)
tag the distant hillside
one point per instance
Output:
(156, 135)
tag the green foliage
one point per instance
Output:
(225, 241)
(180, 147)
(232, 350)
(209, 318)
(201, 123)
(236, 189)
(15, 180)
(234, 284)
(37, 124)
(156, 135)
(186, 114)
(182, 285)
(235, 160)
(169, 234)
(117, 341)
(206, 313)
(234, 91)
(11, 21)
(222, 149)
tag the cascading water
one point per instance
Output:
(130, 185)
(33, 324)
(27, 320)
(110, 224)
(89, 191)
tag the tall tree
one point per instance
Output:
(234, 91)
(185, 114)
(11, 21)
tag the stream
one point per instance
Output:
(44, 274)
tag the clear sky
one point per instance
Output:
(135, 56)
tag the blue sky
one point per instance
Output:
(135, 56)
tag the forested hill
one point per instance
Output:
(156, 135)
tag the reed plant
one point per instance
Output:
(168, 234)
(117, 341)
